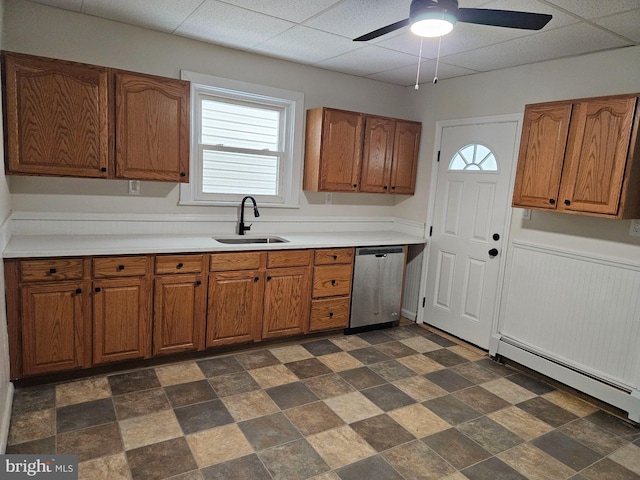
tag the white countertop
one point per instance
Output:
(21, 246)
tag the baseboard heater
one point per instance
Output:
(624, 398)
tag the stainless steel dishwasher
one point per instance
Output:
(377, 286)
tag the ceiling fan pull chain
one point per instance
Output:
(419, 59)
(435, 78)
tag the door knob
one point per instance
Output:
(493, 252)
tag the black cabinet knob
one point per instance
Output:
(183, 174)
(567, 202)
(78, 291)
(52, 270)
(552, 201)
(120, 268)
(330, 314)
(333, 282)
(355, 185)
(256, 279)
(335, 257)
(268, 279)
(385, 187)
(393, 188)
(198, 283)
(103, 169)
(97, 289)
(180, 265)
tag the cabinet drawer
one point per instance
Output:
(329, 313)
(330, 256)
(289, 258)
(330, 280)
(221, 262)
(54, 269)
(119, 267)
(179, 264)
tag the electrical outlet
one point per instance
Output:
(526, 214)
(634, 231)
(134, 187)
(328, 198)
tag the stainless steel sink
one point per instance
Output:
(248, 240)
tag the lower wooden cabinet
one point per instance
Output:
(78, 312)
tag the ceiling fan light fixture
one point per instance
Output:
(433, 24)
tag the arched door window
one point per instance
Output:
(474, 157)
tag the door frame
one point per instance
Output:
(440, 125)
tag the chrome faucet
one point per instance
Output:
(241, 227)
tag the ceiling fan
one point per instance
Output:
(434, 18)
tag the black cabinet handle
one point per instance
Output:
(552, 201)
(183, 174)
(385, 187)
(567, 202)
(97, 289)
(120, 268)
(333, 282)
(103, 169)
(180, 265)
(198, 283)
(330, 314)
(335, 257)
(268, 278)
(78, 291)
(393, 188)
(355, 185)
(257, 279)
(52, 270)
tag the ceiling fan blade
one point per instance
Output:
(504, 18)
(382, 31)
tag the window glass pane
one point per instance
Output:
(474, 157)
(240, 126)
(240, 173)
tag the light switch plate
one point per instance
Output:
(134, 187)
(634, 230)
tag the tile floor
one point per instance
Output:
(402, 403)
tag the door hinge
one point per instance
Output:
(438, 160)
(424, 301)
(431, 230)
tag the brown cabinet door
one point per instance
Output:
(121, 319)
(234, 311)
(406, 145)
(597, 155)
(286, 302)
(152, 128)
(375, 176)
(54, 327)
(57, 117)
(542, 148)
(178, 314)
(341, 151)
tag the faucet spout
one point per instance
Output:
(241, 226)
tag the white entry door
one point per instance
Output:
(471, 218)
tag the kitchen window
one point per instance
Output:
(246, 140)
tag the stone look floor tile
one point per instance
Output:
(382, 432)
(91, 442)
(201, 416)
(144, 402)
(32, 426)
(250, 405)
(452, 410)
(256, 359)
(328, 386)
(457, 449)
(161, 460)
(353, 407)
(310, 367)
(372, 467)
(321, 347)
(313, 418)
(445, 357)
(82, 391)
(112, 467)
(593, 436)
(547, 412)
(388, 397)
(480, 399)
(523, 424)
(350, 342)
(571, 403)
(179, 373)
(492, 468)
(339, 362)
(492, 436)
(86, 414)
(419, 420)
(291, 395)
(628, 457)
(273, 376)
(419, 388)
(535, 464)
(294, 460)
(248, 467)
(133, 381)
(214, 367)
(396, 349)
(218, 445)
(340, 446)
(40, 446)
(147, 429)
(508, 391)
(420, 364)
(189, 393)
(361, 378)
(269, 431)
(475, 373)
(233, 384)
(468, 352)
(391, 370)
(420, 344)
(607, 469)
(567, 450)
(449, 380)
(369, 355)
(32, 399)
(291, 353)
(417, 461)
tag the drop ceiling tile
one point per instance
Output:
(594, 8)
(232, 26)
(560, 18)
(292, 10)
(353, 18)
(163, 15)
(561, 42)
(73, 5)
(406, 76)
(625, 24)
(368, 60)
(306, 45)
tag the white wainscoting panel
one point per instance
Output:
(579, 311)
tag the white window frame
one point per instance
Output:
(290, 175)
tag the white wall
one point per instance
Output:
(6, 388)
(72, 36)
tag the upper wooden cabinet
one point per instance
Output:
(152, 127)
(354, 152)
(77, 120)
(581, 157)
(56, 117)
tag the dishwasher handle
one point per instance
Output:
(381, 255)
